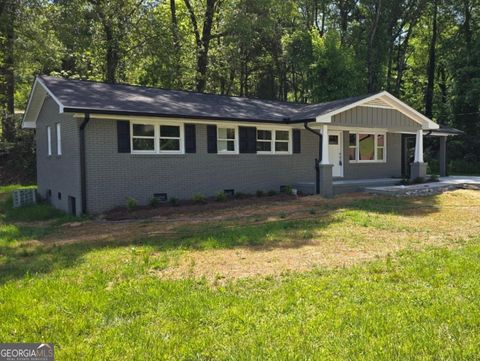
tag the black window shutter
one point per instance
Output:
(211, 138)
(123, 136)
(296, 138)
(248, 139)
(190, 139)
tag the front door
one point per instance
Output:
(335, 151)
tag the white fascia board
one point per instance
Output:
(26, 123)
(59, 103)
(327, 118)
(38, 94)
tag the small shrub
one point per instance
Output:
(312, 211)
(154, 202)
(221, 197)
(260, 193)
(131, 204)
(174, 201)
(287, 190)
(240, 195)
(199, 198)
(283, 215)
(272, 193)
(434, 178)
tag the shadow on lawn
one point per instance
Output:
(20, 256)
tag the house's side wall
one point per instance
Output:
(380, 118)
(59, 174)
(113, 176)
(391, 168)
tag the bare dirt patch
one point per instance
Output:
(348, 233)
(166, 221)
(455, 220)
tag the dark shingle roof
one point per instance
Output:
(442, 131)
(96, 97)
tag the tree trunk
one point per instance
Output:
(203, 41)
(401, 63)
(431, 65)
(111, 54)
(390, 64)
(176, 43)
(466, 25)
(7, 71)
(442, 84)
(344, 10)
(372, 83)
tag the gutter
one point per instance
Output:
(83, 175)
(317, 160)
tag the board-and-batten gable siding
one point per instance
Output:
(378, 118)
(58, 173)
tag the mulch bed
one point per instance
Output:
(190, 207)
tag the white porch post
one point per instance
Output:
(418, 169)
(419, 147)
(325, 155)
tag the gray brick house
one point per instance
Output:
(98, 143)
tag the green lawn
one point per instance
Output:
(107, 303)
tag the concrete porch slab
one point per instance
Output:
(348, 186)
(444, 184)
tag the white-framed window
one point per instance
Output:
(367, 147)
(59, 138)
(274, 141)
(49, 140)
(170, 138)
(152, 138)
(227, 140)
(143, 138)
(264, 141)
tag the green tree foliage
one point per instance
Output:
(425, 52)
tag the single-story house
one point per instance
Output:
(99, 143)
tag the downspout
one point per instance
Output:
(83, 175)
(317, 160)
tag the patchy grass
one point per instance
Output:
(29, 213)
(109, 299)
(11, 187)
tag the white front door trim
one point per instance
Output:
(336, 153)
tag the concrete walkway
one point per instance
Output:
(444, 184)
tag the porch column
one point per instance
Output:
(443, 156)
(419, 147)
(418, 167)
(325, 168)
(325, 155)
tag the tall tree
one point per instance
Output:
(372, 75)
(202, 39)
(176, 42)
(8, 16)
(431, 66)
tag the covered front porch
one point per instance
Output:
(366, 143)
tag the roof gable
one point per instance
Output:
(386, 99)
